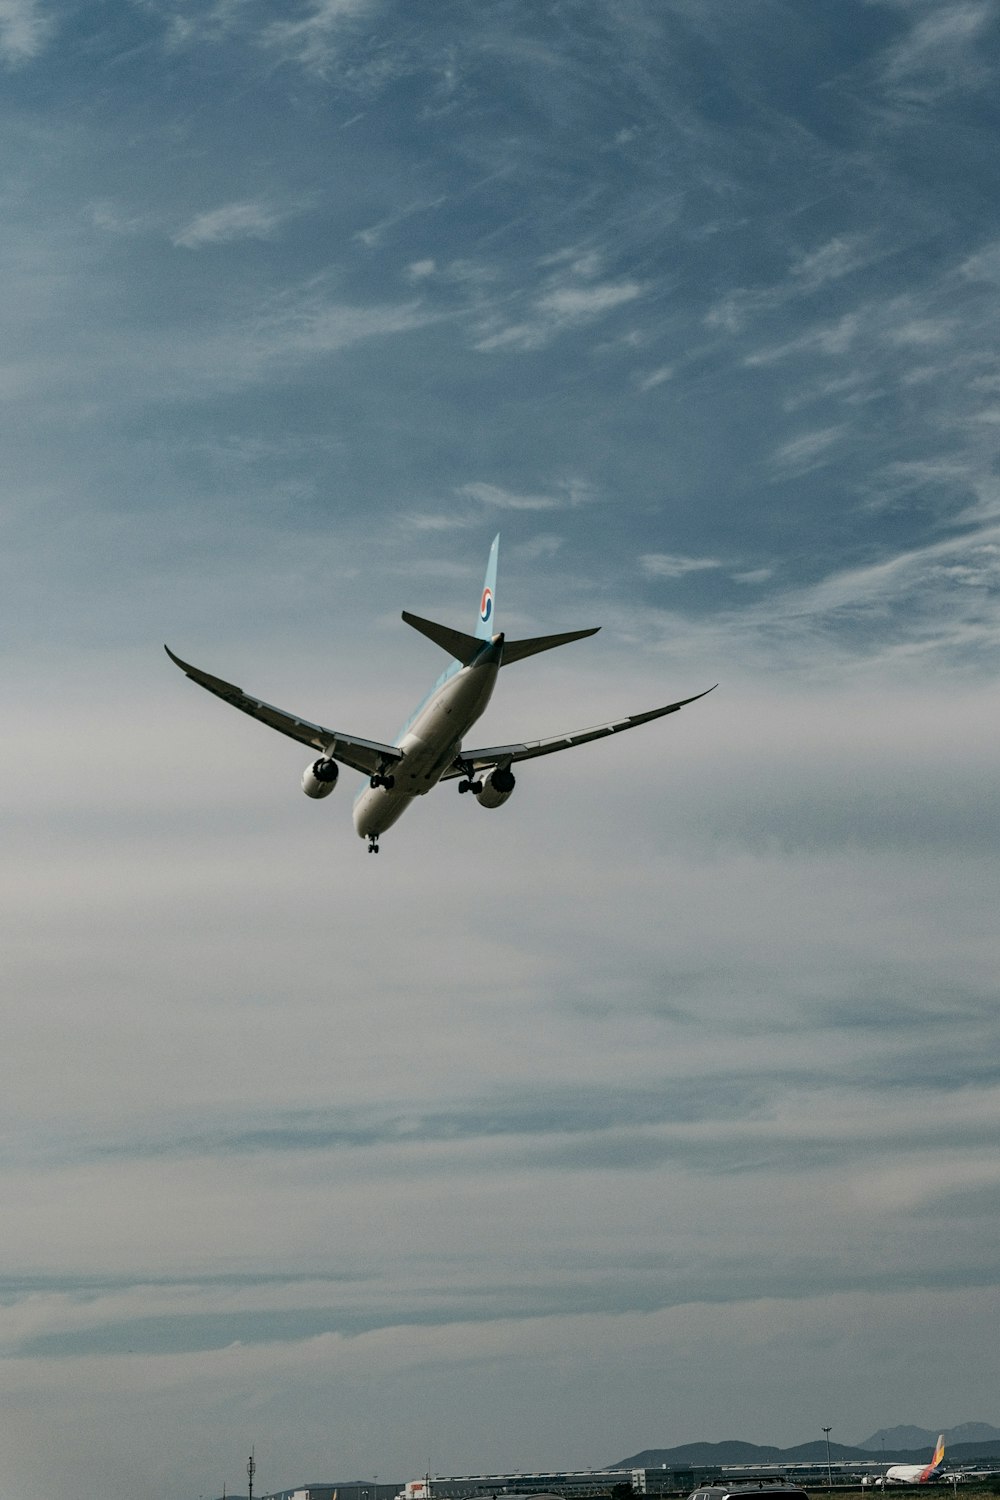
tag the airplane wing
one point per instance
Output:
(367, 756)
(507, 754)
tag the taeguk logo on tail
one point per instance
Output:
(486, 607)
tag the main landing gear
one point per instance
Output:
(373, 843)
(469, 782)
(380, 779)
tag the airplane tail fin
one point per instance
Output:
(930, 1472)
(485, 629)
(465, 648)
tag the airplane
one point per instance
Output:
(429, 747)
(914, 1473)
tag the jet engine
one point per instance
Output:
(319, 779)
(497, 787)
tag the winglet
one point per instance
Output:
(214, 684)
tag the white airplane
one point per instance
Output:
(429, 748)
(917, 1473)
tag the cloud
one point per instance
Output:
(984, 265)
(656, 377)
(921, 332)
(557, 311)
(828, 338)
(374, 235)
(314, 39)
(931, 603)
(940, 51)
(233, 221)
(754, 575)
(567, 494)
(24, 31)
(807, 451)
(838, 257)
(566, 305)
(108, 216)
(668, 565)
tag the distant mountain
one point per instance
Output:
(972, 1432)
(699, 1453)
(922, 1437)
(984, 1442)
(899, 1437)
(712, 1454)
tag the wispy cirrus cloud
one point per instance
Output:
(566, 494)
(654, 378)
(670, 565)
(807, 451)
(912, 607)
(312, 40)
(837, 257)
(25, 28)
(557, 311)
(984, 264)
(943, 50)
(249, 219)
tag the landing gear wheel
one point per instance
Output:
(379, 780)
(373, 843)
(463, 786)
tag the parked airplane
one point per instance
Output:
(429, 748)
(916, 1473)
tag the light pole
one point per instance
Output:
(829, 1470)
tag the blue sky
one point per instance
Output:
(662, 1104)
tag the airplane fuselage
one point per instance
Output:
(430, 740)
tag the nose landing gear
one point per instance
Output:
(373, 843)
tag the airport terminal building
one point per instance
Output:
(580, 1484)
(658, 1481)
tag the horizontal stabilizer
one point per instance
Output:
(518, 650)
(465, 648)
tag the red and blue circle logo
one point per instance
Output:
(486, 606)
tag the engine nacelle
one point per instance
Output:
(497, 787)
(319, 779)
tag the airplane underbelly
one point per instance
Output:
(377, 809)
(429, 747)
(422, 766)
